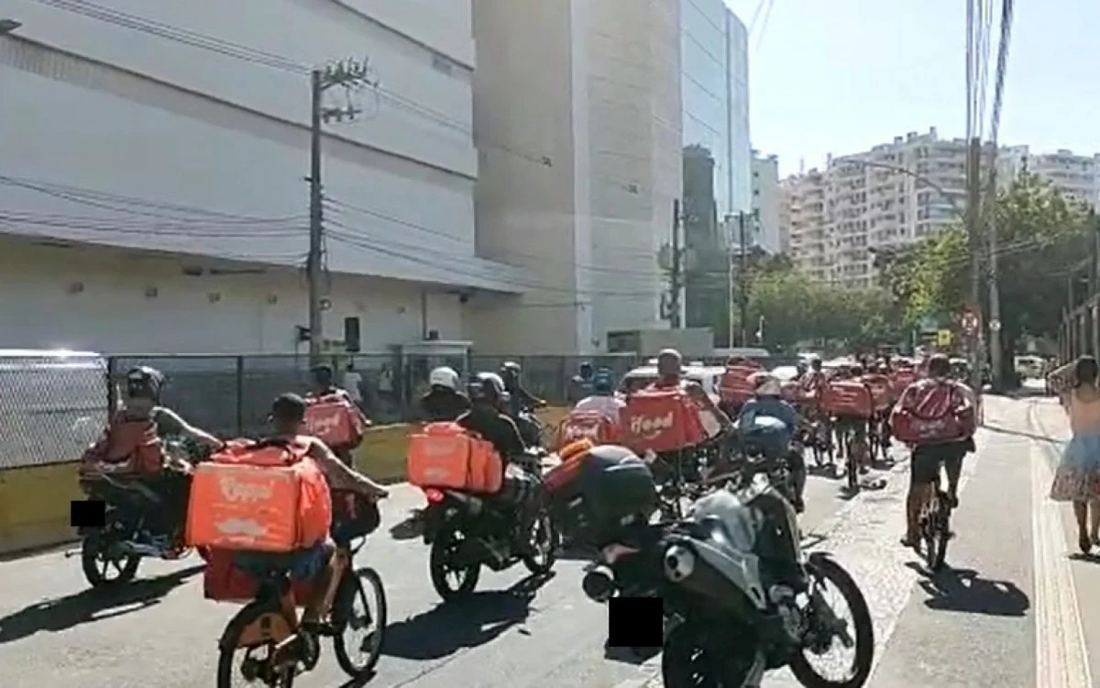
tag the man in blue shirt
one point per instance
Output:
(767, 403)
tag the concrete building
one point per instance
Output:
(838, 216)
(766, 200)
(577, 113)
(152, 175)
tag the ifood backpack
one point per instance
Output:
(661, 420)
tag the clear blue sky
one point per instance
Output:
(837, 76)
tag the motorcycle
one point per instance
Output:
(111, 551)
(466, 532)
(740, 597)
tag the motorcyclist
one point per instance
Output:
(670, 368)
(766, 403)
(321, 561)
(444, 401)
(125, 448)
(520, 402)
(488, 418)
(582, 383)
(602, 399)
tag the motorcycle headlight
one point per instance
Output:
(679, 562)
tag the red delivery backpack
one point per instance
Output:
(591, 425)
(734, 387)
(847, 398)
(929, 414)
(882, 390)
(662, 419)
(334, 419)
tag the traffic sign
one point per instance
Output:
(943, 338)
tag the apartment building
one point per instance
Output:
(891, 195)
(153, 164)
(901, 192)
(577, 112)
(766, 201)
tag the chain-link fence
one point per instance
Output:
(51, 409)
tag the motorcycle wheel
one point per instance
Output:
(546, 540)
(820, 569)
(97, 568)
(443, 548)
(690, 659)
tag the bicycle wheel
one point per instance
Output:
(941, 525)
(357, 659)
(252, 669)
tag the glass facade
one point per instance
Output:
(714, 84)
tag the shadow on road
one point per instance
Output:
(828, 470)
(963, 590)
(865, 485)
(90, 605)
(1019, 433)
(1090, 558)
(450, 627)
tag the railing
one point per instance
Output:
(50, 409)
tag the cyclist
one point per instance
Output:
(946, 405)
(852, 429)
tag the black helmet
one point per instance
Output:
(487, 388)
(144, 382)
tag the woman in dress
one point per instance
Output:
(1077, 479)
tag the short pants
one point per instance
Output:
(302, 564)
(925, 465)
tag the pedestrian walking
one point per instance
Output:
(1077, 478)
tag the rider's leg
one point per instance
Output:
(325, 582)
(798, 476)
(953, 466)
(1094, 521)
(924, 469)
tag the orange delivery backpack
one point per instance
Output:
(572, 458)
(734, 387)
(661, 420)
(130, 446)
(264, 496)
(591, 425)
(929, 414)
(847, 398)
(446, 455)
(334, 419)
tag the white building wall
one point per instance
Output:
(766, 201)
(126, 113)
(577, 118)
(103, 300)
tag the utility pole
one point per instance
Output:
(742, 279)
(350, 75)
(730, 280)
(973, 215)
(676, 268)
(994, 324)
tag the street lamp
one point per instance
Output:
(909, 173)
(8, 25)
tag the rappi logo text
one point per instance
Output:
(650, 427)
(234, 490)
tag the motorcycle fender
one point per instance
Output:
(818, 556)
(740, 568)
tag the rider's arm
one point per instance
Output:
(341, 476)
(171, 423)
(511, 440)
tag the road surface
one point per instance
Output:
(1014, 610)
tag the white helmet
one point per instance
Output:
(444, 376)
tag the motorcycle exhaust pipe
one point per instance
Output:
(599, 584)
(139, 549)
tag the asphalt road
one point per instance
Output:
(975, 625)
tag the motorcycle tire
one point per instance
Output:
(90, 550)
(551, 540)
(441, 551)
(821, 567)
(689, 661)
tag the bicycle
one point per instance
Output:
(935, 527)
(271, 622)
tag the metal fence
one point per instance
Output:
(51, 409)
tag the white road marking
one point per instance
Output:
(1060, 655)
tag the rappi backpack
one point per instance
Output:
(847, 399)
(264, 496)
(334, 419)
(734, 387)
(928, 413)
(448, 456)
(590, 425)
(661, 420)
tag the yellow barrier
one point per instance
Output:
(34, 501)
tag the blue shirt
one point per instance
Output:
(768, 407)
